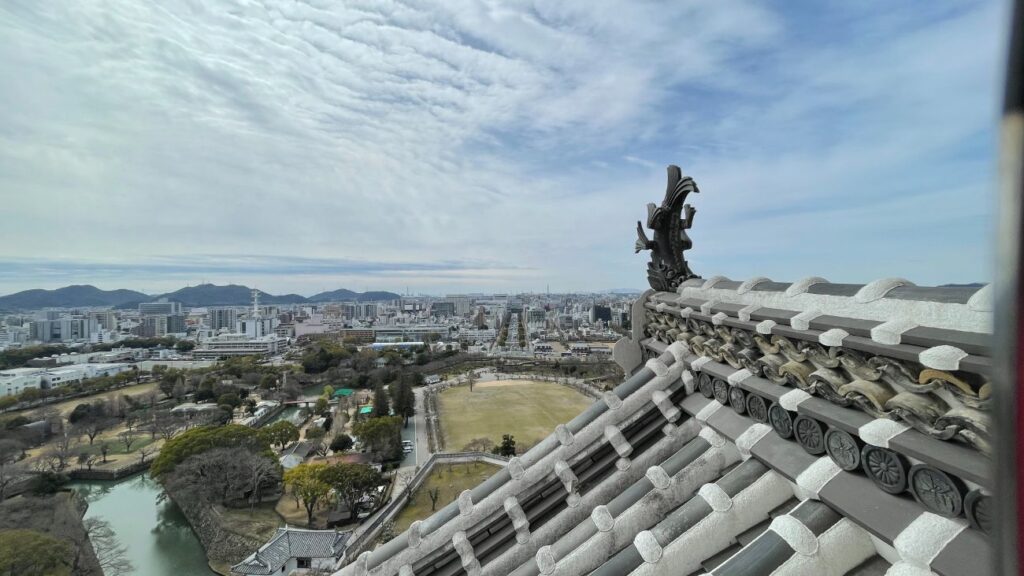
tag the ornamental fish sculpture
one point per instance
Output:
(667, 268)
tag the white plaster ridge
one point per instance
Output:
(710, 283)
(706, 307)
(765, 327)
(657, 366)
(879, 288)
(737, 377)
(515, 468)
(661, 399)
(602, 518)
(614, 436)
(790, 400)
(685, 312)
(943, 357)
(719, 319)
(981, 301)
(660, 307)
(926, 537)
(802, 321)
(816, 476)
(545, 559)
(704, 413)
(801, 286)
(749, 285)
(465, 503)
(745, 441)
(905, 569)
(689, 381)
(744, 313)
(648, 547)
(799, 537)
(699, 363)
(678, 350)
(880, 431)
(611, 400)
(406, 570)
(891, 332)
(565, 436)
(414, 534)
(833, 337)
(713, 438)
(716, 498)
(658, 477)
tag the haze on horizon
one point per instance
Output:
(477, 146)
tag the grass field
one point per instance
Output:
(527, 409)
(67, 406)
(452, 480)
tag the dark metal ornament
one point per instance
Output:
(886, 468)
(705, 386)
(721, 390)
(978, 509)
(668, 268)
(937, 491)
(781, 421)
(737, 399)
(757, 408)
(843, 448)
(810, 434)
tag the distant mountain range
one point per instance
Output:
(201, 295)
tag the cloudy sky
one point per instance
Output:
(459, 145)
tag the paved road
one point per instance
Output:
(416, 432)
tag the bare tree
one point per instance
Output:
(92, 427)
(263, 472)
(127, 438)
(144, 452)
(434, 494)
(10, 470)
(321, 448)
(88, 460)
(165, 424)
(131, 420)
(112, 555)
(60, 453)
(104, 450)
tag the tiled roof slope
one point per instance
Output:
(766, 428)
(290, 543)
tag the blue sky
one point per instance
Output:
(474, 146)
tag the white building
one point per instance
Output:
(17, 380)
(227, 345)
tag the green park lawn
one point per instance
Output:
(526, 409)
(452, 480)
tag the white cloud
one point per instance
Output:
(476, 131)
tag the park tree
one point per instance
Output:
(205, 438)
(352, 483)
(341, 442)
(381, 405)
(111, 554)
(127, 438)
(434, 494)
(321, 405)
(280, 433)
(507, 447)
(32, 553)
(88, 460)
(308, 483)
(185, 346)
(382, 435)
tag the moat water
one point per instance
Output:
(159, 540)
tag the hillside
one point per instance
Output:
(69, 297)
(345, 295)
(229, 295)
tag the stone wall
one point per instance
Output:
(59, 516)
(221, 543)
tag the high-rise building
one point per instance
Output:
(599, 312)
(218, 318)
(161, 306)
(106, 319)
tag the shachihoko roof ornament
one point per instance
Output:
(668, 268)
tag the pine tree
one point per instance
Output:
(381, 405)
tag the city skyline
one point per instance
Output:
(469, 148)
